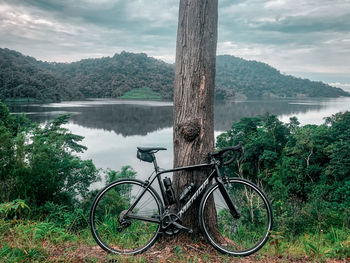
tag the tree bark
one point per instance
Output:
(194, 95)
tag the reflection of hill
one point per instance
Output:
(127, 120)
(132, 119)
(230, 111)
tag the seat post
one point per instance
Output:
(156, 168)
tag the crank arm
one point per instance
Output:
(183, 228)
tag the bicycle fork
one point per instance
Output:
(225, 195)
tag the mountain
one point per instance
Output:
(115, 76)
(26, 78)
(256, 80)
(23, 77)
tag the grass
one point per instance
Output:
(43, 241)
(144, 93)
(28, 241)
(319, 246)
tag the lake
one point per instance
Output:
(114, 128)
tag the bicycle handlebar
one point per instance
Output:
(222, 153)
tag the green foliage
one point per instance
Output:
(141, 94)
(254, 79)
(38, 163)
(26, 79)
(14, 209)
(17, 254)
(304, 169)
(28, 241)
(178, 251)
(125, 172)
(72, 219)
(276, 241)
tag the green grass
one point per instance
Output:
(29, 241)
(141, 94)
(44, 241)
(333, 243)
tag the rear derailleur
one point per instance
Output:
(124, 223)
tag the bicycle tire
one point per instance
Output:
(236, 237)
(107, 209)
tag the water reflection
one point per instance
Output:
(327, 108)
(130, 118)
(229, 112)
(114, 128)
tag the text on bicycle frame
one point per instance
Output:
(194, 197)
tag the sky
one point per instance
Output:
(304, 38)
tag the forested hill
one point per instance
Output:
(25, 77)
(257, 79)
(114, 76)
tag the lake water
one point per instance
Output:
(114, 128)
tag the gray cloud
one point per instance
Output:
(296, 36)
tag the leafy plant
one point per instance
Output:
(15, 209)
(39, 165)
(275, 241)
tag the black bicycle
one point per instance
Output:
(128, 215)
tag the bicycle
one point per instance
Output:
(128, 215)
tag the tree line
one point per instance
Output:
(304, 169)
(23, 77)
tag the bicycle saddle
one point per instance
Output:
(150, 149)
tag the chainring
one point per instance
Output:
(167, 224)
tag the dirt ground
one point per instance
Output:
(172, 252)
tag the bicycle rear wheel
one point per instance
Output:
(237, 237)
(131, 235)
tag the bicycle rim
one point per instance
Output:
(237, 237)
(110, 205)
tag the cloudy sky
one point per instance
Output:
(307, 38)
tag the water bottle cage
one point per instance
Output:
(169, 191)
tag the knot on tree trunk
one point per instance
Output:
(190, 130)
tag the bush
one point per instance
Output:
(303, 169)
(15, 209)
(38, 164)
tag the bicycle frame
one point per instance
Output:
(214, 173)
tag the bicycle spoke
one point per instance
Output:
(113, 230)
(237, 236)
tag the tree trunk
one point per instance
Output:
(194, 95)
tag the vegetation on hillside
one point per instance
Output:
(24, 78)
(114, 76)
(141, 94)
(258, 80)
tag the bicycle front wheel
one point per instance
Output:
(121, 233)
(236, 236)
